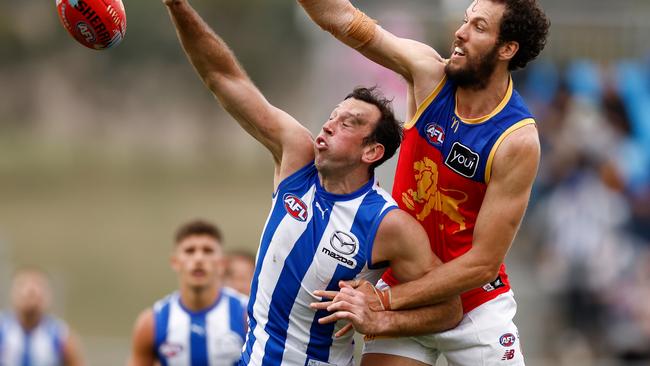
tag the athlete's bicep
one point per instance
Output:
(402, 241)
(142, 349)
(514, 170)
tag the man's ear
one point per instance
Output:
(173, 262)
(508, 50)
(372, 153)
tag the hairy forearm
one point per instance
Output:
(207, 52)
(426, 320)
(452, 278)
(333, 16)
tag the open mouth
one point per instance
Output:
(458, 52)
(320, 143)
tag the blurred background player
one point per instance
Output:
(28, 335)
(201, 324)
(239, 271)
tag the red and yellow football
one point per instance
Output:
(96, 24)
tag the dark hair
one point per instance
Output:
(523, 22)
(388, 130)
(197, 227)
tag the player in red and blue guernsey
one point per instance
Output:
(465, 171)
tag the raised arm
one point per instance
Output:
(506, 199)
(420, 65)
(288, 141)
(142, 344)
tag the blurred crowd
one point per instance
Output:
(590, 210)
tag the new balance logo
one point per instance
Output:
(509, 355)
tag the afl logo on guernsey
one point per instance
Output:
(462, 160)
(507, 339)
(295, 207)
(169, 350)
(435, 134)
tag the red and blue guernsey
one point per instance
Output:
(443, 170)
(312, 239)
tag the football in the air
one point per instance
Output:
(96, 24)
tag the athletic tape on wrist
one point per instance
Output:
(385, 298)
(362, 28)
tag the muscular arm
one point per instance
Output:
(420, 65)
(72, 351)
(402, 241)
(514, 169)
(288, 141)
(142, 345)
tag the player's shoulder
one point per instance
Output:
(397, 223)
(144, 323)
(165, 302)
(231, 293)
(522, 141)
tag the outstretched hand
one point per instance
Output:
(357, 301)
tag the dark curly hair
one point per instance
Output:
(523, 22)
(388, 130)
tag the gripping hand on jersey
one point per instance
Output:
(358, 302)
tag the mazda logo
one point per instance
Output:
(343, 243)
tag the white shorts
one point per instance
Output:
(485, 336)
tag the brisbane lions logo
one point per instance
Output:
(432, 198)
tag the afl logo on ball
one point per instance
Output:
(295, 207)
(86, 32)
(435, 134)
(507, 339)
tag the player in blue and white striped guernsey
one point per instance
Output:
(329, 221)
(204, 323)
(28, 335)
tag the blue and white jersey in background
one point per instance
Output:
(312, 239)
(211, 337)
(42, 346)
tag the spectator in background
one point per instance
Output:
(594, 256)
(28, 335)
(201, 324)
(239, 271)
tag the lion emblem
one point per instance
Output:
(432, 198)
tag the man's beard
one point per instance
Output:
(477, 72)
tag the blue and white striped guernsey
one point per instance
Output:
(42, 346)
(211, 337)
(311, 240)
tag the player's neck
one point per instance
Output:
(475, 103)
(197, 299)
(345, 183)
(29, 321)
